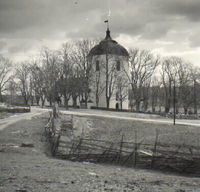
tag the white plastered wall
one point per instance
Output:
(112, 60)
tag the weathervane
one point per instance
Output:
(109, 13)
(106, 21)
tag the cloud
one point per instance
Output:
(2, 44)
(149, 21)
(39, 19)
(43, 19)
(195, 40)
(189, 9)
(20, 47)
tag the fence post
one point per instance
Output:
(121, 147)
(135, 151)
(105, 153)
(72, 130)
(79, 147)
(55, 144)
(71, 151)
(154, 149)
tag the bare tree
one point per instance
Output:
(76, 86)
(145, 90)
(65, 83)
(195, 77)
(80, 58)
(176, 73)
(50, 63)
(185, 95)
(38, 82)
(121, 90)
(12, 88)
(142, 67)
(5, 74)
(23, 77)
(168, 74)
(110, 78)
(99, 86)
(155, 93)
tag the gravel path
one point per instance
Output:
(131, 116)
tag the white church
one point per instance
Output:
(110, 68)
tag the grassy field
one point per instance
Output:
(113, 129)
(159, 146)
(30, 169)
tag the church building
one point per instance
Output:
(110, 69)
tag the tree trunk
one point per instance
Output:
(121, 103)
(137, 106)
(86, 100)
(37, 100)
(32, 100)
(154, 103)
(97, 101)
(107, 102)
(43, 101)
(195, 99)
(66, 102)
(167, 109)
(1, 97)
(145, 105)
(167, 105)
(25, 100)
(185, 110)
(50, 101)
(74, 101)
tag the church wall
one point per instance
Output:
(112, 60)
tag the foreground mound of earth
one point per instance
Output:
(26, 166)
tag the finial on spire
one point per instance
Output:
(108, 30)
(106, 21)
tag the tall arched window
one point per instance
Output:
(118, 66)
(117, 96)
(97, 66)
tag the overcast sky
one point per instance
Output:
(167, 27)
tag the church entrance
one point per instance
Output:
(117, 106)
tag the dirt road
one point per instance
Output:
(98, 113)
(130, 116)
(18, 117)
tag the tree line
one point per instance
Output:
(152, 81)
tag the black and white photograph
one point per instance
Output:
(99, 96)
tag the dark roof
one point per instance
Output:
(108, 46)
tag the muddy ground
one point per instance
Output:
(32, 169)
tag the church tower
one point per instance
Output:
(109, 61)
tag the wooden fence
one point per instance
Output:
(132, 154)
(52, 134)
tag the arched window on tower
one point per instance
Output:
(117, 96)
(118, 66)
(97, 66)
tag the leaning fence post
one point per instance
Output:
(79, 146)
(71, 151)
(154, 149)
(120, 149)
(72, 129)
(55, 145)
